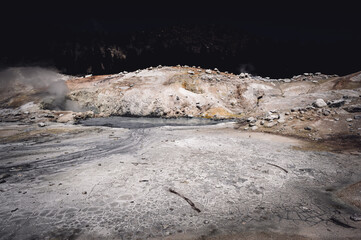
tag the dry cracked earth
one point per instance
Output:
(175, 182)
(285, 173)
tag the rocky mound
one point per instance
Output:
(315, 106)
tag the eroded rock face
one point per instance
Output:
(164, 92)
(189, 91)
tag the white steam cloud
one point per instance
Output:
(46, 82)
(246, 68)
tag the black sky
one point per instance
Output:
(335, 24)
(278, 20)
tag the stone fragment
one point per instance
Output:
(326, 112)
(254, 128)
(65, 118)
(319, 103)
(251, 120)
(272, 117)
(336, 103)
(251, 124)
(355, 217)
(348, 119)
(41, 124)
(353, 108)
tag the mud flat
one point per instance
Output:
(171, 182)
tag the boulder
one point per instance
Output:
(319, 103)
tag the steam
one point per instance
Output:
(246, 68)
(47, 83)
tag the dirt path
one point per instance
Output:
(112, 183)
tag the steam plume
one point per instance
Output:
(48, 82)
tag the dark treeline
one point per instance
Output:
(102, 51)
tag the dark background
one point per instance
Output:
(101, 38)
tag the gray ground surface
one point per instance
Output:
(114, 183)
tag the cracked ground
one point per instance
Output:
(76, 182)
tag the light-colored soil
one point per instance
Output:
(114, 183)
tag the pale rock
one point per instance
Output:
(281, 121)
(251, 120)
(65, 118)
(319, 103)
(41, 124)
(326, 112)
